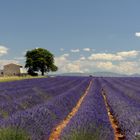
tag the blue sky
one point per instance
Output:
(107, 29)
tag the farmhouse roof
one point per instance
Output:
(13, 64)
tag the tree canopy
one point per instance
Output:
(40, 60)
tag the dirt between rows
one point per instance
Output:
(118, 135)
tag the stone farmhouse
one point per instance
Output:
(13, 70)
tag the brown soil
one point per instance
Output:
(113, 121)
(58, 129)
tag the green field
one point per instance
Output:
(15, 78)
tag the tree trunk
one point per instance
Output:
(42, 72)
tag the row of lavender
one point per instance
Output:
(25, 94)
(43, 114)
(91, 121)
(123, 95)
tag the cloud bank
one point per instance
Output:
(114, 57)
(126, 62)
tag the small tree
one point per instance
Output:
(40, 60)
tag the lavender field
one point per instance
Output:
(34, 107)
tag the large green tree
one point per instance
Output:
(40, 60)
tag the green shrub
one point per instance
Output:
(85, 136)
(138, 138)
(82, 135)
(13, 134)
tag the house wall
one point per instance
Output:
(11, 70)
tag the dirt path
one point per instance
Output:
(117, 131)
(58, 129)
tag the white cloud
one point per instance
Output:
(105, 56)
(105, 65)
(128, 67)
(3, 50)
(86, 49)
(119, 56)
(65, 55)
(75, 50)
(125, 67)
(61, 62)
(137, 34)
(82, 58)
(61, 49)
(128, 53)
(66, 65)
(74, 67)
